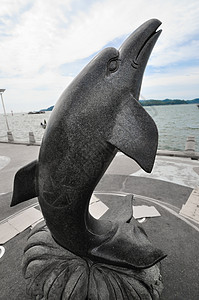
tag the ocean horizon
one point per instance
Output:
(175, 123)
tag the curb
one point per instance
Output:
(187, 154)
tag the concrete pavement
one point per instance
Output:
(167, 188)
(180, 170)
(13, 157)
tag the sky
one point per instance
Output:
(44, 44)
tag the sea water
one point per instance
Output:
(175, 123)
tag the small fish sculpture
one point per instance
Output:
(97, 115)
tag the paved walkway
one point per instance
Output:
(168, 173)
(178, 170)
(171, 186)
(13, 157)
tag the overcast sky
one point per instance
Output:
(45, 43)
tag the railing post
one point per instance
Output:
(190, 144)
(31, 138)
(10, 137)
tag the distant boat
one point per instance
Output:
(36, 112)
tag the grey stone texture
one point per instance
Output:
(178, 239)
(95, 116)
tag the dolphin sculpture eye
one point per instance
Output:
(113, 65)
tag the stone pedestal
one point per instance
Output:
(52, 272)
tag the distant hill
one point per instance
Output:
(48, 109)
(193, 101)
(152, 102)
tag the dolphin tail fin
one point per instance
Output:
(25, 183)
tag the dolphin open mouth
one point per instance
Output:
(136, 50)
(151, 40)
(140, 43)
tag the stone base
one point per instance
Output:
(52, 272)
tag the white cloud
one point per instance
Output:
(172, 84)
(175, 54)
(42, 35)
(10, 7)
(35, 92)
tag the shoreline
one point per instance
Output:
(183, 154)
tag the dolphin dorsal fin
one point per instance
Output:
(25, 183)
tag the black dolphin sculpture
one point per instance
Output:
(97, 115)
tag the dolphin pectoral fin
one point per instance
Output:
(135, 134)
(25, 184)
(128, 247)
